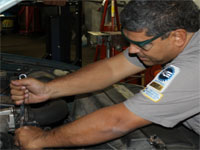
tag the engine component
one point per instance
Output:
(7, 125)
(6, 141)
(43, 116)
(49, 113)
(7, 120)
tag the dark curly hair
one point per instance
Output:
(160, 16)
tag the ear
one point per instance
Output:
(179, 37)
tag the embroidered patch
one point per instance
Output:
(152, 94)
(158, 85)
(164, 78)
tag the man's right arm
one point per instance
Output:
(91, 78)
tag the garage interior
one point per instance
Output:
(49, 41)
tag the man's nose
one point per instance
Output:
(133, 49)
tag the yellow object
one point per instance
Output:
(7, 23)
(113, 8)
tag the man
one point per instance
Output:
(159, 32)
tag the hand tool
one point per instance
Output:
(22, 107)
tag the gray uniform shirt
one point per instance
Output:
(173, 96)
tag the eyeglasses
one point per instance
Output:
(145, 45)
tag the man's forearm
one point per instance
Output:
(93, 77)
(87, 79)
(100, 126)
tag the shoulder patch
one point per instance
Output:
(158, 85)
(164, 78)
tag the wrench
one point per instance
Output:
(22, 107)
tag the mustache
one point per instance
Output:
(141, 56)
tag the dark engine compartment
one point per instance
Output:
(64, 110)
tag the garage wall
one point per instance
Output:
(93, 14)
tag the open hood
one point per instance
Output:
(6, 4)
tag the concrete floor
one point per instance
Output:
(34, 45)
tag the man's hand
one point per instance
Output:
(29, 137)
(55, 2)
(28, 90)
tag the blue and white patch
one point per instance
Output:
(165, 77)
(166, 74)
(158, 85)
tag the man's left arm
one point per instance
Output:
(100, 126)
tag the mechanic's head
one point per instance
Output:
(160, 16)
(146, 22)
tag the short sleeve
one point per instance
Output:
(171, 97)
